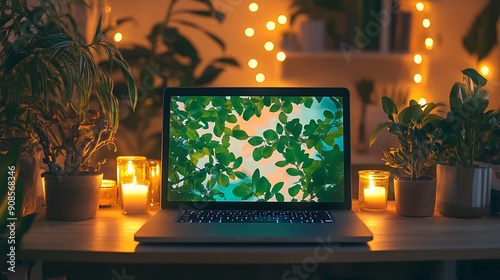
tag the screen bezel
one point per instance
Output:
(257, 91)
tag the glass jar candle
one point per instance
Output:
(131, 174)
(373, 189)
(108, 193)
(154, 178)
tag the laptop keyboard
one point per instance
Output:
(254, 216)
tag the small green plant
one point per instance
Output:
(416, 129)
(468, 129)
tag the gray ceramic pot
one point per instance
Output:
(72, 198)
(463, 192)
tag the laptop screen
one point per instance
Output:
(247, 145)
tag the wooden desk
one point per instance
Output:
(108, 238)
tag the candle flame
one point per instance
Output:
(130, 168)
(134, 182)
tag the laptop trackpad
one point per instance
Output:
(240, 231)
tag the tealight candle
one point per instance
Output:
(108, 193)
(373, 188)
(134, 198)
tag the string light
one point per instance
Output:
(108, 9)
(417, 78)
(253, 7)
(260, 78)
(485, 70)
(426, 23)
(281, 56)
(269, 46)
(420, 6)
(417, 58)
(249, 32)
(282, 19)
(118, 37)
(253, 63)
(422, 101)
(270, 25)
(429, 43)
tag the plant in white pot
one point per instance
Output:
(463, 186)
(415, 128)
(51, 82)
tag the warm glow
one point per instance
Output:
(253, 7)
(429, 43)
(422, 101)
(269, 46)
(108, 9)
(426, 23)
(417, 58)
(281, 56)
(270, 25)
(130, 168)
(253, 63)
(249, 32)
(417, 78)
(420, 6)
(282, 19)
(485, 70)
(118, 37)
(260, 78)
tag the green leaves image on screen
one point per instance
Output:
(280, 149)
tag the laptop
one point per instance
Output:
(255, 165)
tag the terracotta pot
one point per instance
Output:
(71, 198)
(463, 192)
(415, 198)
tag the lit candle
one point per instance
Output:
(374, 197)
(135, 198)
(154, 177)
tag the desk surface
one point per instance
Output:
(109, 238)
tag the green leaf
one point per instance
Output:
(270, 135)
(257, 154)
(256, 175)
(240, 134)
(328, 114)
(277, 187)
(240, 191)
(256, 141)
(293, 191)
(293, 171)
(479, 80)
(267, 151)
(282, 118)
(240, 175)
(223, 180)
(389, 108)
(281, 163)
(280, 197)
(237, 163)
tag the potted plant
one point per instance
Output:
(51, 83)
(463, 186)
(415, 128)
(313, 29)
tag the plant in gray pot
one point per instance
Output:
(415, 128)
(51, 82)
(463, 186)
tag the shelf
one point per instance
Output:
(340, 54)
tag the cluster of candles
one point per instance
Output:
(137, 186)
